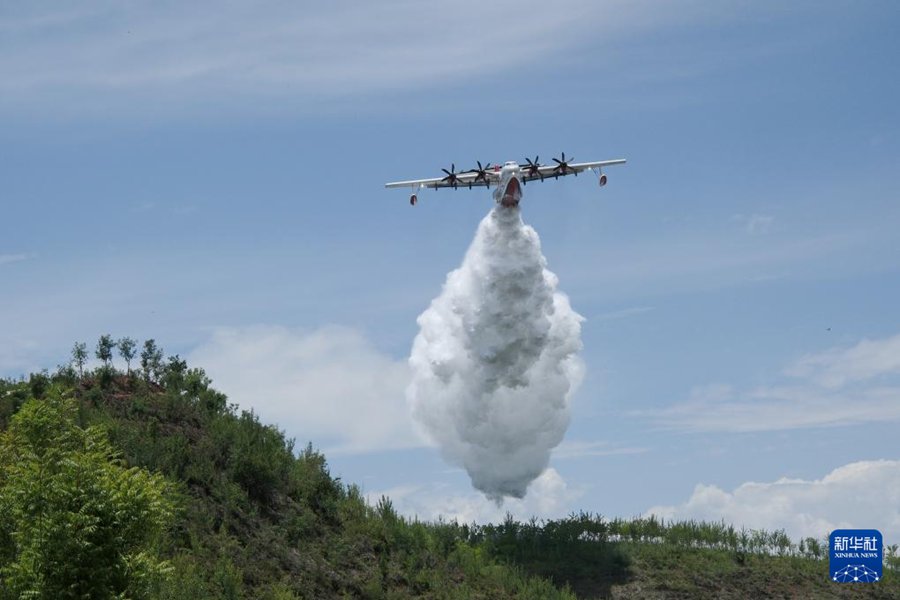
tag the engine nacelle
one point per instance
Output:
(412, 200)
(602, 180)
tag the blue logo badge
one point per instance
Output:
(856, 555)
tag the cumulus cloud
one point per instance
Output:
(839, 387)
(863, 494)
(495, 360)
(330, 386)
(548, 497)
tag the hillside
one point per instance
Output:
(253, 517)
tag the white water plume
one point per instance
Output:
(495, 360)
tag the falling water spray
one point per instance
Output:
(496, 360)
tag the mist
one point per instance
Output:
(496, 361)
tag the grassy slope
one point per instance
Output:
(666, 572)
(260, 520)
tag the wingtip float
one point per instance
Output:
(507, 179)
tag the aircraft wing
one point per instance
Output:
(463, 180)
(552, 170)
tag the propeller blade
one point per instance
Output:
(452, 176)
(480, 172)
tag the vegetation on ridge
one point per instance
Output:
(149, 484)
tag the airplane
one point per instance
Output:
(508, 179)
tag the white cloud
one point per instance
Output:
(571, 449)
(548, 496)
(756, 224)
(839, 387)
(778, 408)
(209, 55)
(623, 313)
(863, 494)
(839, 366)
(286, 49)
(11, 258)
(712, 261)
(330, 386)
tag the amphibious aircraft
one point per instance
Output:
(507, 179)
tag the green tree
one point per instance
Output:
(79, 356)
(75, 521)
(151, 360)
(127, 348)
(105, 347)
(175, 371)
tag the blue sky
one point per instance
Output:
(212, 176)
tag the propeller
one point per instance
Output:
(480, 173)
(533, 168)
(562, 165)
(452, 177)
